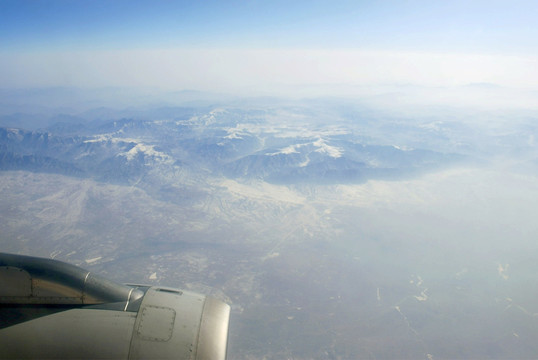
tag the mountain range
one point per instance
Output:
(238, 144)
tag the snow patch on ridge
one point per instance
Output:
(140, 147)
(320, 147)
(324, 148)
(147, 150)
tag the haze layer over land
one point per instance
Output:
(334, 229)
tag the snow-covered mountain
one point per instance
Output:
(237, 143)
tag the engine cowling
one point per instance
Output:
(50, 309)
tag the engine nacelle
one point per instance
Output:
(53, 310)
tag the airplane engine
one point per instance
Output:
(53, 310)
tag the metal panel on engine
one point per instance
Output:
(173, 324)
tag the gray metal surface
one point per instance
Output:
(53, 310)
(15, 282)
(55, 282)
(213, 337)
(72, 334)
(174, 324)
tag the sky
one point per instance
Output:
(259, 45)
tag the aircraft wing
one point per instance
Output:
(53, 310)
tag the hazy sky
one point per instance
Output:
(234, 45)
